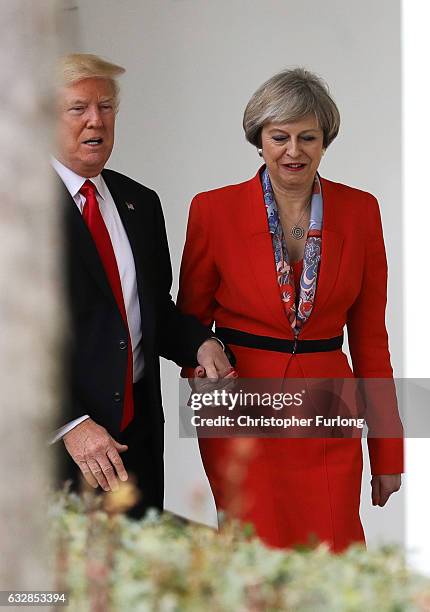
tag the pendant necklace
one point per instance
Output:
(297, 231)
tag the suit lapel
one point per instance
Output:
(134, 221)
(81, 243)
(331, 250)
(260, 254)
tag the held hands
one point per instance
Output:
(213, 360)
(97, 455)
(215, 370)
(383, 486)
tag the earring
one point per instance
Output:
(260, 152)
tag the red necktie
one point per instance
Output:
(94, 220)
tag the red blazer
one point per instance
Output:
(228, 277)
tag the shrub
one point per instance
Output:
(111, 563)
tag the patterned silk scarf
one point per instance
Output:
(296, 312)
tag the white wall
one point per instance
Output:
(416, 215)
(191, 67)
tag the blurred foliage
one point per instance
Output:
(162, 563)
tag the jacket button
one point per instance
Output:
(123, 344)
(117, 396)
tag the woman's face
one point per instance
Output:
(292, 152)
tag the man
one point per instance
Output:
(122, 317)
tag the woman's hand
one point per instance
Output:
(202, 383)
(213, 360)
(383, 486)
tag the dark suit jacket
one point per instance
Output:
(97, 359)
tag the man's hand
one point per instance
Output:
(383, 486)
(97, 455)
(213, 360)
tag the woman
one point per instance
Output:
(289, 255)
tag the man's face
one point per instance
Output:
(86, 125)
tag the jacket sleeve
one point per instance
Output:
(368, 343)
(199, 277)
(179, 335)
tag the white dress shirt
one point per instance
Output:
(124, 259)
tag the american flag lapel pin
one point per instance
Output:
(129, 205)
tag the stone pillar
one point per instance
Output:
(30, 303)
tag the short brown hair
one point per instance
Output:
(288, 96)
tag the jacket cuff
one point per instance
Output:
(227, 350)
(386, 455)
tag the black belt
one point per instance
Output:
(281, 345)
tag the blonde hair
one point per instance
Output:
(288, 96)
(78, 66)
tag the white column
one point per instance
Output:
(29, 289)
(416, 223)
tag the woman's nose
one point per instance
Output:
(293, 149)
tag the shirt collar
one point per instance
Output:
(74, 182)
